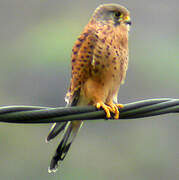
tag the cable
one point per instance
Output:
(38, 114)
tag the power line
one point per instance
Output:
(38, 114)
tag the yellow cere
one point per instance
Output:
(127, 18)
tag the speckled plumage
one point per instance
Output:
(99, 64)
(100, 55)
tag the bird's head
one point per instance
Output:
(113, 14)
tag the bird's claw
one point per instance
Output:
(120, 105)
(110, 107)
(115, 108)
(106, 108)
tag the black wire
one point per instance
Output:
(150, 110)
(9, 109)
(38, 114)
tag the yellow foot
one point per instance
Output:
(120, 105)
(106, 108)
(115, 109)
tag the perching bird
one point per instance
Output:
(99, 64)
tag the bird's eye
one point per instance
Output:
(117, 14)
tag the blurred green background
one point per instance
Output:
(36, 38)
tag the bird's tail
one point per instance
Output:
(70, 132)
(55, 130)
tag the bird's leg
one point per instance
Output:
(115, 108)
(105, 107)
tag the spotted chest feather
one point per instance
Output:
(100, 53)
(110, 56)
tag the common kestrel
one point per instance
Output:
(99, 64)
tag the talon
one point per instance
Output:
(120, 105)
(106, 108)
(110, 107)
(116, 116)
(115, 109)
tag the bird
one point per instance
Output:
(99, 62)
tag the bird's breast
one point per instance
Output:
(110, 58)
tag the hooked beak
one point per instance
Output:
(127, 20)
